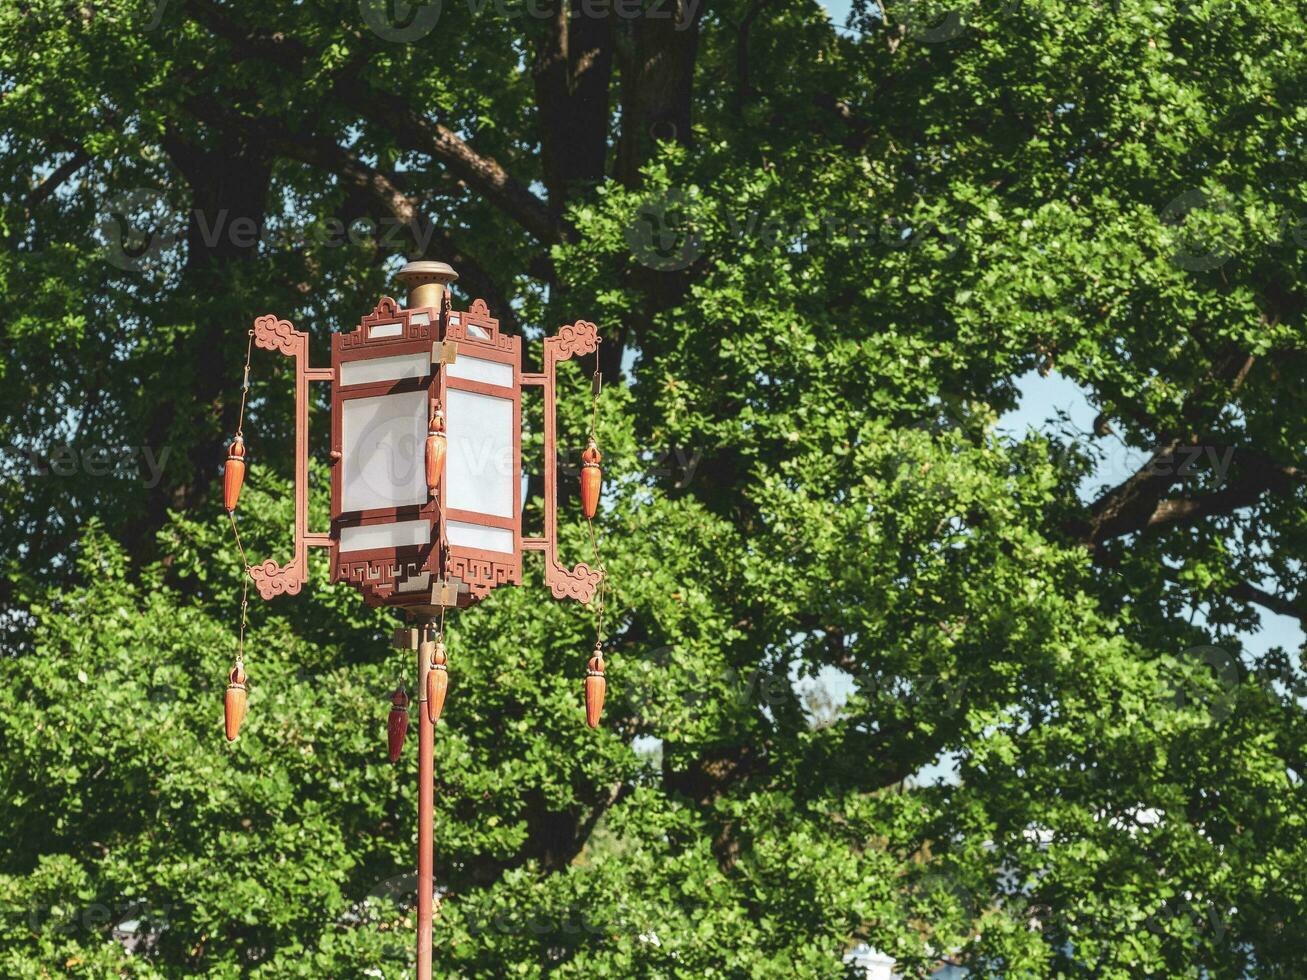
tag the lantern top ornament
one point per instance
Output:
(426, 282)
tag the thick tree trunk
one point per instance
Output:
(228, 181)
(657, 57)
(573, 72)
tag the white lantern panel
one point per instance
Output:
(383, 445)
(479, 463)
(379, 330)
(397, 534)
(385, 369)
(480, 369)
(464, 535)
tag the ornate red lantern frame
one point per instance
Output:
(440, 569)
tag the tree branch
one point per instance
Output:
(429, 239)
(860, 127)
(1262, 477)
(412, 130)
(1280, 605)
(1136, 502)
(52, 183)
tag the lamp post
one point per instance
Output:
(426, 491)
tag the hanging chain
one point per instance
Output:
(231, 514)
(245, 384)
(595, 387)
(245, 594)
(603, 586)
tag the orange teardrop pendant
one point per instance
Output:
(595, 688)
(435, 451)
(233, 474)
(237, 701)
(437, 683)
(591, 479)
(397, 724)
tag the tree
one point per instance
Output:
(821, 259)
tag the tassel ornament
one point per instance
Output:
(595, 688)
(437, 683)
(397, 724)
(237, 700)
(233, 474)
(436, 446)
(591, 479)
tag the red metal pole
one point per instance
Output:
(426, 803)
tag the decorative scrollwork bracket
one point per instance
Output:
(580, 581)
(272, 579)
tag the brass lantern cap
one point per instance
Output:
(426, 282)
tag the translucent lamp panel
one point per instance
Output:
(397, 534)
(480, 369)
(383, 443)
(472, 329)
(480, 468)
(464, 535)
(385, 368)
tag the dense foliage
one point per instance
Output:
(822, 258)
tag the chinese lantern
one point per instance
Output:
(591, 478)
(437, 683)
(595, 687)
(435, 451)
(233, 474)
(397, 725)
(236, 700)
